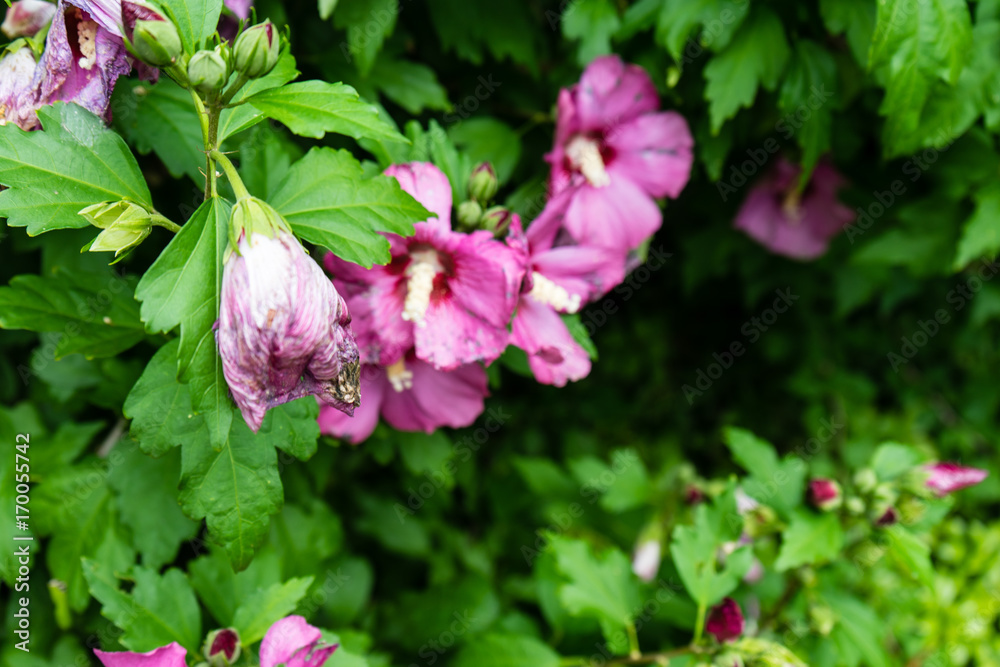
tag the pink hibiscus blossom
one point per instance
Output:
(945, 478)
(788, 223)
(614, 153)
(171, 655)
(446, 294)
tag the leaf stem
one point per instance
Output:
(699, 624)
(227, 96)
(649, 658)
(633, 640)
(231, 173)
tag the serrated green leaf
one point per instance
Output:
(413, 86)
(313, 108)
(810, 538)
(489, 140)
(592, 22)
(981, 234)
(497, 650)
(158, 610)
(755, 58)
(679, 18)
(327, 202)
(293, 428)
(259, 611)
(368, 24)
(80, 529)
(911, 555)
(856, 18)
(182, 288)
(244, 116)
(779, 484)
(807, 97)
(74, 163)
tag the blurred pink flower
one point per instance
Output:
(798, 226)
(171, 655)
(26, 17)
(725, 621)
(292, 642)
(944, 478)
(646, 560)
(825, 494)
(17, 93)
(447, 295)
(284, 332)
(614, 154)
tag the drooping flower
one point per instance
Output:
(17, 94)
(292, 642)
(825, 494)
(646, 559)
(944, 478)
(614, 153)
(788, 223)
(171, 655)
(447, 295)
(24, 18)
(725, 621)
(284, 331)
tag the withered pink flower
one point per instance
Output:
(725, 621)
(944, 478)
(447, 295)
(17, 95)
(24, 18)
(171, 655)
(614, 153)
(788, 223)
(292, 642)
(284, 332)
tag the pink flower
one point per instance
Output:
(411, 396)
(284, 332)
(26, 17)
(614, 154)
(944, 478)
(294, 643)
(171, 655)
(646, 560)
(800, 227)
(825, 494)
(17, 93)
(725, 621)
(447, 295)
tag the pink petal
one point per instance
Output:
(945, 478)
(589, 271)
(611, 93)
(654, 151)
(567, 119)
(486, 277)
(438, 398)
(452, 336)
(241, 8)
(554, 357)
(171, 655)
(293, 642)
(429, 186)
(107, 13)
(357, 428)
(618, 216)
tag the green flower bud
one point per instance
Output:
(125, 226)
(469, 213)
(855, 505)
(254, 216)
(866, 480)
(222, 647)
(257, 50)
(156, 43)
(483, 184)
(208, 72)
(728, 659)
(496, 219)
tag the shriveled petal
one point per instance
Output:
(107, 13)
(171, 655)
(554, 357)
(357, 428)
(618, 216)
(945, 478)
(26, 17)
(611, 93)
(654, 151)
(437, 398)
(429, 186)
(294, 643)
(452, 336)
(17, 94)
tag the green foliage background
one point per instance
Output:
(507, 543)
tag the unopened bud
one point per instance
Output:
(222, 647)
(257, 50)
(496, 219)
(483, 184)
(255, 216)
(156, 43)
(25, 18)
(728, 659)
(866, 480)
(855, 505)
(469, 214)
(125, 226)
(208, 72)
(886, 517)
(825, 494)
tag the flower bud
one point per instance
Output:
(156, 43)
(886, 517)
(728, 659)
(693, 495)
(222, 647)
(257, 50)
(866, 480)
(725, 621)
(208, 72)
(469, 214)
(825, 494)
(646, 559)
(125, 226)
(483, 184)
(250, 216)
(497, 219)
(26, 17)
(945, 478)
(822, 619)
(855, 505)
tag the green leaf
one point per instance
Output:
(580, 334)
(487, 139)
(863, 627)
(74, 163)
(244, 116)
(413, 86)
(256, 614)
(754, 58)
(158, 610)
(496, 650)
(694, 548)
(160, 406)
(293, 428)
(981, 234)
(195, 19)
(146, 492)
(911, 554)
(313, 108)
(892, 459)
(428, 454)
(807, 98)
(368, 23)
(856, 18)
(182, 288)
(678, 18)
(161, 118)
(96, 315)
(780, 484)
(326, 8)
(326, 202)
(592, 22)
(810, 538)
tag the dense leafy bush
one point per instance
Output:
(721, 443)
